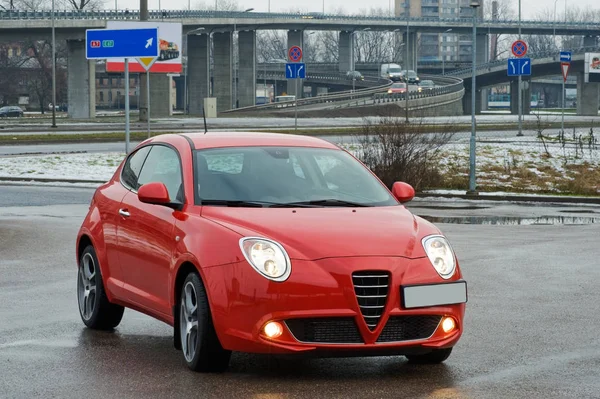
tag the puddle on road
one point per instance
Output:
(513, 220)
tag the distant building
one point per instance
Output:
(441, 46)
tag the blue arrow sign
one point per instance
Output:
(121, 43)
(519, 66)
(565, 56)
(296, 70)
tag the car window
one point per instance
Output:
(285, 175)
(163, 165)
(132, 168)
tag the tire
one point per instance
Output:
(94, 308)
(435, 357)
(201, 348)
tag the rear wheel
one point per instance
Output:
(434, 357)
(201, 348)
(94, 308)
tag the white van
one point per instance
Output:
(391, 71)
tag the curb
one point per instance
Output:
(48, 180)
(516, 198)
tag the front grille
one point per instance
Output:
(371, 288)
(407, 328)
(326, 330)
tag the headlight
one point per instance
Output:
(267, 257)
(440, 255)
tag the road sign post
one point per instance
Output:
(519, 49)
(565, 64)
(295, 69)
(123, 43)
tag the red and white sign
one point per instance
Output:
(169, 43)
(564, 67)
(295, 54)
(519, 48)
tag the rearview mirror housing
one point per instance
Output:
(156, 193)
(403, 192)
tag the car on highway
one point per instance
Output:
(11, 111)
(267, 243)
(397, 88)
(426, 85)
(392, 72)
(354, 75)
(410, 77)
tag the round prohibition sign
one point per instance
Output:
(295, 54)
(519, 48)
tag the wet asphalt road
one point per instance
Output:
(531, 323)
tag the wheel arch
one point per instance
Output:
(185, 268)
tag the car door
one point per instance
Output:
(146, 238)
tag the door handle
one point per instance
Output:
(124, 213)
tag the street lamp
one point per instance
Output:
(472, 186)
(554, 24)
(53, 70)
(444, 55)
(406, 15)
(187, 66)
(520, 104)
(353, 60)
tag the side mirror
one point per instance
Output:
(403, 192)
(154, 193)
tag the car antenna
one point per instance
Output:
(204, 117)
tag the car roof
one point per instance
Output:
(248, 139)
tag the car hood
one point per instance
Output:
(316, 233)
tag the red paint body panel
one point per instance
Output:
(140, 256)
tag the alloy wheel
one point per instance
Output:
(86, 287)
(188, 320)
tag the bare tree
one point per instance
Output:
(271, 45)
(499, 10)
(83, 4)
(35, 5)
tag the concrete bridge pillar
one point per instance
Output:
(81, 82)
(161, 104)
(467, 101)
(590, 41)
(514, 97)
(483, 48)
(295, 38)
(346, 51)
(409, 63)
(222, 74)
(198, 79)
(246, 80)
(587, 97)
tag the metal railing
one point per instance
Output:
(305, 17)
(451, 85)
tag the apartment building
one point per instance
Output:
(441, 46)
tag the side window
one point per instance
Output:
(162, 165)
(132, 168)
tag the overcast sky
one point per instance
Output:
(529, 7)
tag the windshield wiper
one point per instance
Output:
(327, 202)
(234, 203)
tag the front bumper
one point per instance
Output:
(319, 308)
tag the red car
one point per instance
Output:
(267, 243)
(397, 88)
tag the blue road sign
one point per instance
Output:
(295, 70)
(519, 66)
(565, 56)
(121, 43)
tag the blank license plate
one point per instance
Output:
(420, 296)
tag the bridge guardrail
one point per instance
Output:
(182, 14)
(369, 81)
(377, 94)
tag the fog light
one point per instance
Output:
(448, 325)
(273, 329)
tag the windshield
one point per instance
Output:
(275, 176)
(398, 86)
(394, 70)
(427, 83)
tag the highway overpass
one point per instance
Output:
(218, 25)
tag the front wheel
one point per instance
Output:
(435, 357)
(94, 308)
(201, 348)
